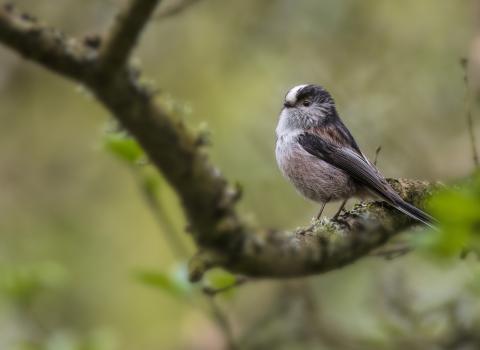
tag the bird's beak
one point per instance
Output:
(287, 104)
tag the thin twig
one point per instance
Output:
(318, 326)
(377, 152)
(163, 220)
(223, 322)
(124, 34)
(391, 252)
(276, 310)
(174, 9)
(214, 291)
(181, 252)
(468, 111)
(473, 141)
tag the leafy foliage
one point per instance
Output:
(219, 279)
(23, 283)
(458, 209)
(174, 283)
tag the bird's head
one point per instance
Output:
(307, 106)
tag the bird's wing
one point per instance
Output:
(348, 159)
(361, 170)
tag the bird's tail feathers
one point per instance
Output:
(413, 212)
(416, 214)
(408, 209)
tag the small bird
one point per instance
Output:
(319, 155)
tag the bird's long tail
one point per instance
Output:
(393, 199)
(413, 211)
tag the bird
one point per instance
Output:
(317, 153)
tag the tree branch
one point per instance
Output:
(208, 200)
(325, 246)
(169, 144)
(44, 45)
(124, 34)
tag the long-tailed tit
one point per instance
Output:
(318, 154)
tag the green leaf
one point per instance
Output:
(170, 283)
(219, 279)
(124, 147)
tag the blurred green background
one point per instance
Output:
(76, 232)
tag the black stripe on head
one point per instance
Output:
(316, 93)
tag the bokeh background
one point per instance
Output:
(85, 260)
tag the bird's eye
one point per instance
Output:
(306, 103)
